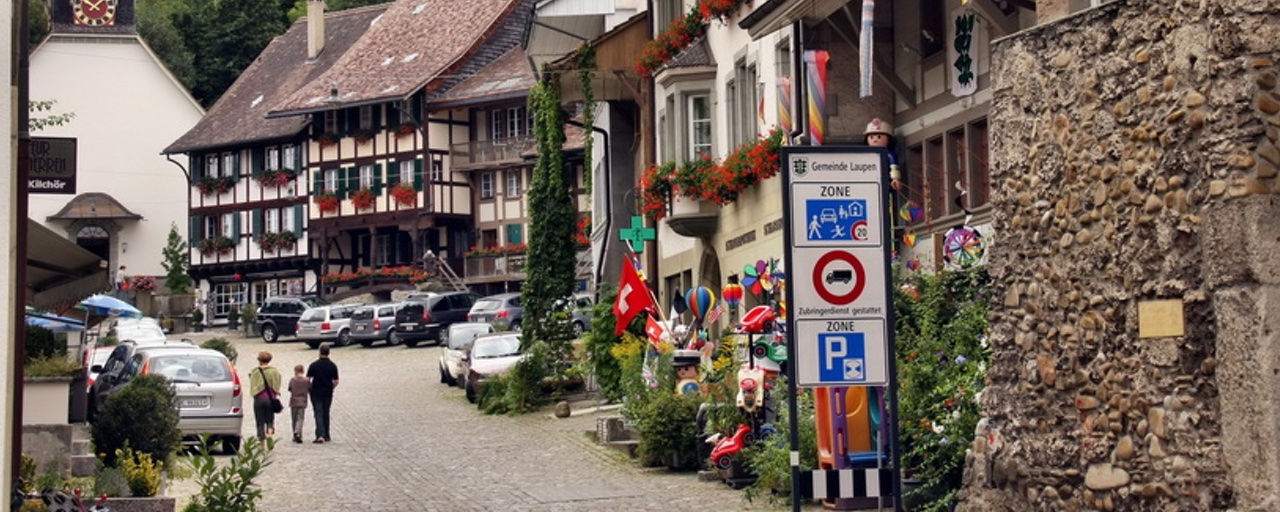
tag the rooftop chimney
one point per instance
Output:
(315, 28)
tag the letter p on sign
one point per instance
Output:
(837, 349)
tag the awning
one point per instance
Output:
(59, 272)
(772, 15)
(94, 205)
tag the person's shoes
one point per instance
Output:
(319, 440)
(297, 438)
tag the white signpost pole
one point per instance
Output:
(839, 292)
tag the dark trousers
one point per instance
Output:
(321, 403)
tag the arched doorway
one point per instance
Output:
(96, 240)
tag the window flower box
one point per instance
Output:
(404, 194)
(328, 202)
(272, 242)
(219, 245)
(401, 274)
(363, 135)
(483, 252)
(363, 199)
(327, 139)
(276, 177)
(720, 182)
(405, 129)
(209, 185)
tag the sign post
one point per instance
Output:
(839, 294)
(53, 166)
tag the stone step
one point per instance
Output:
(84, 465)
(81, 447)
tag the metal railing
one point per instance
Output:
(480, 153)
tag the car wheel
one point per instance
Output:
(366, 343)
(471, 392)
(231, 445)
(269, 334)
(393, 338)
(313, 343)
(724, 462)
(515, 327)
(444, 377)
(344, 338)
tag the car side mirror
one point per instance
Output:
(97, 368)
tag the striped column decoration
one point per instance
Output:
(866, 47)
(830, 484)
(816, 63)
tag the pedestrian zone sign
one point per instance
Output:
(836, 219)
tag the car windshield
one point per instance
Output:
(191, 367)
(362, 314)
(460, 335)
(498, 346)
(486, 305)
(313, 315)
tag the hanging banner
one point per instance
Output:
(760, 88)
(816, 66)
(866, 47)
(784, 103)
(964, 32)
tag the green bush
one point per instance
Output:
(491, 397)
(524, 382)
(140, 471)
(55, 366)
(229, 486)
(221, 345)
(143, 416)
(42, 343)
(111, 482)
(770, 459)
(27, 474)
(668, 426)
(600, 341)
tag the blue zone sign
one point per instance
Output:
(842, 357)
(836, 220)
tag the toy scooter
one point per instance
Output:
(727, 447)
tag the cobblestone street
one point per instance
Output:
(403, 441)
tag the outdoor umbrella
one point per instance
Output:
(106, 305)
(52, 322)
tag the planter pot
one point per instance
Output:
(45, 400)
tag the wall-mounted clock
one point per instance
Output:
(94, 13)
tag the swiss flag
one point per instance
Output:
(633, 297)
(655, 331)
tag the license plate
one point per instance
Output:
(359, 327)
(188, 403)
(409, 326)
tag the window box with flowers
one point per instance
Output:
(399, 274)
(404, 194)
(272, 242)
(720, 182)
(483, 252)
(363, 135)
(363, 199)
(405, 129)
(219, 245)
(684, 31)
(328, 202)
(514, 249)
(277, 177)
(327, 139)
(209, 185)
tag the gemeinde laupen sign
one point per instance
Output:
(53, 166)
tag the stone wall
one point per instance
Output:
(1133, 160)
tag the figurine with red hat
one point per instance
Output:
(880, 134)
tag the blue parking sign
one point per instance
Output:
(836, 219)
(842, 357)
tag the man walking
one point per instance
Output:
(324, 377)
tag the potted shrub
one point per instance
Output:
(197, 320)
(249, 316)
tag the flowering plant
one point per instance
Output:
(327, 139)
(403, 273)
(684, 31)
(217, 245)
(363, 135)
(362, 199)
(703, 178)
(270, 242)
(511, 249)
(404, 194)
(328, 202)
(215, 184)
(142, 283)
(582, 237)
(483, 252)
(942, 354)
(405, 129)
(276, 177)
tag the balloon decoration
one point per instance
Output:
(700, 301)
(732, 292)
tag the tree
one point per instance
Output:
(224, 37)
(37, 23)
(552, 255)
(155, 25)
(175, 263)
(299, 9)
(36, 123)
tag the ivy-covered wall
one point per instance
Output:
(1134, 160)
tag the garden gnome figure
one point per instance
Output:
(880, 134)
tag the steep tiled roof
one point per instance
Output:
(507, 77)
(414, 42)
(281, 69)
(696, 54)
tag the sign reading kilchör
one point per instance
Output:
(52, 166)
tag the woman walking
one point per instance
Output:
(264, 386)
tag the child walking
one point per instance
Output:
(299, 387)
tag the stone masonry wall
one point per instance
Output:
(1134, 158)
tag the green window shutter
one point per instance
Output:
(197, 230)
(196, 165)
(353, 121)
(235, 228)
(317, 125)
(377, 117)
(298, 213)
(317, 182)
(257, 224)
(377, 179)
(344, 180)
(417, 109)
(256, 158)
(515, 233)
(297, 156)
(417, 174)
(393, 175)
(235, 165)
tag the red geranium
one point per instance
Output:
(328, 202)
(404, 194)
(362, 199)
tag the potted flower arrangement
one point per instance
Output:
(219, 245)
(721, 182)
(143, 283)
(328, 202)
(582, 237)
(276, 177)
(363, 135)
(209, 185)
(656, 182)
(362, 199)
(405, 129)
(404, 194)
(327, 139)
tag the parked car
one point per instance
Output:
(457, 341)
(582, 312)
(326, 324)
(139, 332)
(94, 359)
(425, 317)
(209, 394)
(279, 316)
(504, 308)
(116, 372)
(373, 323)
(490, 356)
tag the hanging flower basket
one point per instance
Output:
(219, 245)
(276, 177)
(328, 202)
(209, 185)
(362, 199)
(404, 194)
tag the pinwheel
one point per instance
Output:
(751, 277)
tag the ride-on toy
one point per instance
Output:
(727, 447)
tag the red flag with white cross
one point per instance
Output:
(633, 297)
(655, 331)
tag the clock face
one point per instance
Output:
(94, 13)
